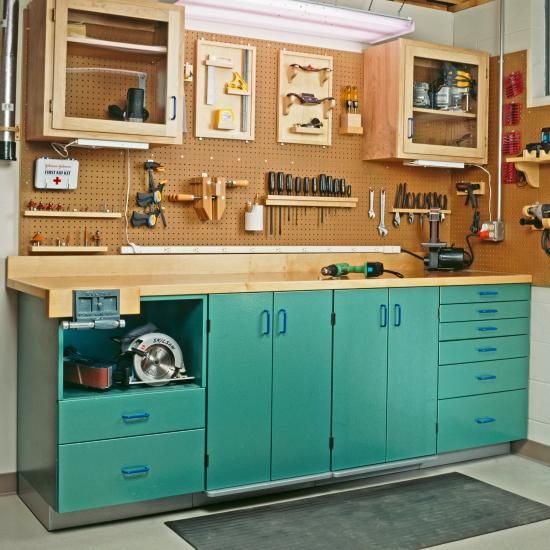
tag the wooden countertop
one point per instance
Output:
(55, 283)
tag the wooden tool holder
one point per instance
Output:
(323, 202)
(300, 74)
(529, 163)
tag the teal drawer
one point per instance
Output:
(483, 329)
(123, 414)
(477, 312)
(484, 293)
(486, 377)
(131, 469)
(483, 349)
(481, 420)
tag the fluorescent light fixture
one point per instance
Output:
(303, 18)
(433, 164)
(108, 144)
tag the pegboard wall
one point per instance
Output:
(520, 252)
(103, 175)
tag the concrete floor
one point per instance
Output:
(19, 529)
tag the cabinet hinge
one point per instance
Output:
(50, 103)
(437, 427)
(206, 460)
(333, 318)
(53, 14)
(439, 313)
(208, 325)
(331, 443)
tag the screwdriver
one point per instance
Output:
(288, 192)
(306, 191)
(329, 189)
(297, 189)
(314, 191)
(280, 189)
(336, 191)
(322, 191)
(271, 187)
(342, 187)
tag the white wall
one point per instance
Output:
(539, 375)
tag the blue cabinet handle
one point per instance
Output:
(135, 416)
(173, 98)
(397, 310)
(486, 329)
(383, 315)
(486, 350)
(283, 311)
(135, 471)
(486, 377)
(485, 420)
(487, 310)
(268, 319)
(488, 293)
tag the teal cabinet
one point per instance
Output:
(239, 389)
(483, 349)
(484, 293)
(450, 313)
(359, 378)
(412, 373)
(483, 329)
(302, 355)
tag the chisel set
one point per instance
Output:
(285, 191)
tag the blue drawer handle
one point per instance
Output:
(486, 377)
(268, 318)
(485, 420)
(488, 293)
(486, 329)
(283, 311)
(384, 314)
(136, 471)
(486, 350)
(135, 416)
(487, 310)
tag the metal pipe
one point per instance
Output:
(8, 71)
(500, 102)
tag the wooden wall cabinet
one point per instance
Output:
(398, 129)
(84, 55)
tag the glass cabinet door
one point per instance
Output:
(444, 109)
(117, 72)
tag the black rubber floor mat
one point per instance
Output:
(407, 515)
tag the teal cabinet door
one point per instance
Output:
(302, 349)
(412, 372)
(359, 378)
(239, 389)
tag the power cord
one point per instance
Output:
(396, 273)
(128, 187)
(545, 241)
(412, 254)
(62, 149)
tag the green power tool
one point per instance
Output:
(368, 269)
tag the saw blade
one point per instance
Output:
(158, 362)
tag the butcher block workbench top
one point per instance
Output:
(54, 279)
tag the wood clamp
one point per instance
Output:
(308, 99)
(294, 68)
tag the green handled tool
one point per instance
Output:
(368, 269)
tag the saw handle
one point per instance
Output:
(237, 183)
(181, 197)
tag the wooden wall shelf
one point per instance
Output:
(438, 114)
(117, 46)
(416, 211)
(69, 214)
(328, 202)
(69, 249)
(529, 164)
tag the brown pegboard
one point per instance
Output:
(520, 252)
(103, 174)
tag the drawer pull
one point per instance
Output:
(488, 293)
(485, 420)
(486, 329)
(268, 322)
(135, 471)
(487, 310)
(486, 377)
(283, 330)
(397, 313)
(486, 350)
(384, 315)
(135, 416)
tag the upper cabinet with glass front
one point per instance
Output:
(110, 69)
(425, 101)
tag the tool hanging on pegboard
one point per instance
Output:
(513, 84)
(511, 114)
(152, 200)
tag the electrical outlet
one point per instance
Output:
(492, 231)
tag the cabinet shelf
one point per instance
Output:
(43, 249)
(116, 46)
(436, 114)
(68, 214)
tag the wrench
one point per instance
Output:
(382, 231)
(372, 213)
